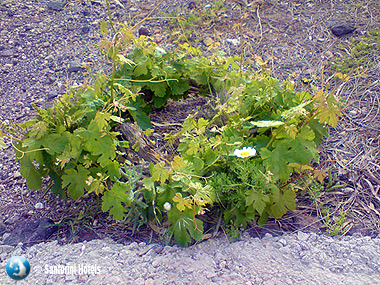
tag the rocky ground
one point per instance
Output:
(46, 46)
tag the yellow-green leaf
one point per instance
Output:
(159, 172)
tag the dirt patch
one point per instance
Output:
(294, 38)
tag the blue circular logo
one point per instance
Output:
(18, 267)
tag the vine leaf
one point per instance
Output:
(276, 161)
(159, 172)
(75, 181)
(257, 200)
(113, 199)
(184, 226)
(282, 202)
(182, 203)
(30, 173)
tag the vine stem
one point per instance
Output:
(110, 16)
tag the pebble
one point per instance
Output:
(7, 53)
(85, 29)
(74, 66)
(342, 30)
(56, 5)
(39, 206)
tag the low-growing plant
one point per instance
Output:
(240, 160)
(361, 53)
(334, 225)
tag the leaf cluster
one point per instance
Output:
(77, 145)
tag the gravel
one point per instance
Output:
(300, 258)
(35, 64)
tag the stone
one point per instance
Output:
(342, 30)
(75, 66)
(144, 31)
(31, 232)
(39, 205)
(7, 53)
(56, 5)
(85, 30)
(86, 13)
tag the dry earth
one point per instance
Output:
(42, 47)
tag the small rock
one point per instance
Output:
(10, 13)
(56, 5)
(85, 30)
(31, 232)
(7, 53)
(192, 5)
(234, 42)
(144, 31)
(158, 39)
(35, 19)
(208, 41)
(342, 30)
(13, 219)
(353, 112)
(302, 236)
(74, 66)
(86, 13)
(39, 206)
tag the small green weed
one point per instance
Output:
(335, 225)
(361, 53)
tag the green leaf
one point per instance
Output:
(182, 203)
(39, 130)
(257, 200)
(32, 146)
(276, 162)
(106, 148)
(329, 114)
(113, 200)
(75, 181)
(159, 172)
(282, 202)
(57, 186)
(55, 143)
(198, 164)
(30, 173)
(320, 131)
(103, 28)
(97, 141)
(210, 157)
(125, 60)
(113, 170)
(179, 87)
(143, 120)
(142, 67)
(159, 89)
(184, 226)
(301, 151)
